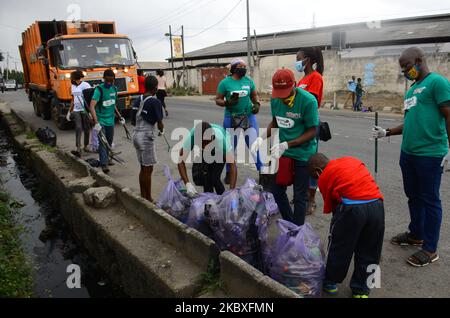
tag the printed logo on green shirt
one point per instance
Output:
(285, 122)
(410, 103)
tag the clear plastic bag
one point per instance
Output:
(172, 200)
(298, 260)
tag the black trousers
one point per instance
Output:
(212, 178)
(161, 95)
(355, 230)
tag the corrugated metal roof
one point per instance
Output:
(154, 65)
(425, 29)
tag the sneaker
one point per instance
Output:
(105, 170)
(405, 239)
(111, 163)
(330, 289)
(227, 178)
(360, 296)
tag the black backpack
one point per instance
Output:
(46, 136)
(89, 93)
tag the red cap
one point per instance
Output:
(282, 83)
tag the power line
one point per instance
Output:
(164, 20)
(181, 8)
(220, 21)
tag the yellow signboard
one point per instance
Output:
(177, 47)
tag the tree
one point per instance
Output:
(1, 57)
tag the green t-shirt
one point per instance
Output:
(222, 139)
(294, 121)
(245, 86)
(424, 131)
(105, 111)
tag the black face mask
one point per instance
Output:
(240, 72)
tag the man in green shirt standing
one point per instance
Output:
(424, 153)
(103, 108)
(295, 114)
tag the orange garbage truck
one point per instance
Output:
(52, 50)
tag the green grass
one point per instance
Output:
(31, 135)
(46, 148)
(181, 91)
(15, 270)
(210, 280)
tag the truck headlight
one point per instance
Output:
(67, 75)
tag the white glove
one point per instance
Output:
(378, 132)
(278, 150)
(445, 160)
(256, 145)
(97, 127)
(68, 116)
(190, 190)
(122, 121)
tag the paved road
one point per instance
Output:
(351, 136)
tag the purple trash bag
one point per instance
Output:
(298, 260)
(172, 199)
(196, 218)
(268, 231)
(94, 140)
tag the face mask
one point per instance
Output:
(240, 72)
(108, 85)
(413, 73)
(299, 66)
(289, 101)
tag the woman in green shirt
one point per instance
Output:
(237, 94)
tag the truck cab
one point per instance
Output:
(91, 47)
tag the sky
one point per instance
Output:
(206, 22)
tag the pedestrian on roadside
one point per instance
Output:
(310, 61)
(295, 114)
(351, 87)
(103, 110)
(77, 111)
(359, 94)
(161, 94)
(141, 81)
(238, 95)
(222, 152)
(149, 112)
(424, 152)
(357, 227)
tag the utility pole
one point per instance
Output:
(171, 56)
(184, 63)
(7, 65)
(249, 43)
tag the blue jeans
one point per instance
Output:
(301, 185)
(249, 140)
(421, 182)
(108, 131)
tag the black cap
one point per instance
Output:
(109, 73)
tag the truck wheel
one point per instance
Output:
(61, 123)
(35, 101)
(46, 110)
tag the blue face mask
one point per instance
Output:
(108, 85)
(299, 66)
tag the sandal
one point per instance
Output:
(421, 259)
(405, 239)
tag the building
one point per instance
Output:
(367, 50)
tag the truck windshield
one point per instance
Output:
(95, 52)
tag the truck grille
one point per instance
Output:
(120, 83)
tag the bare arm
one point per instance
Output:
(272, 124)
(92, 109)
(394, 131)
(220, 100)
(254, 97)
(160, 125)
(182, 167)
(309, 134)
(445, 111)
